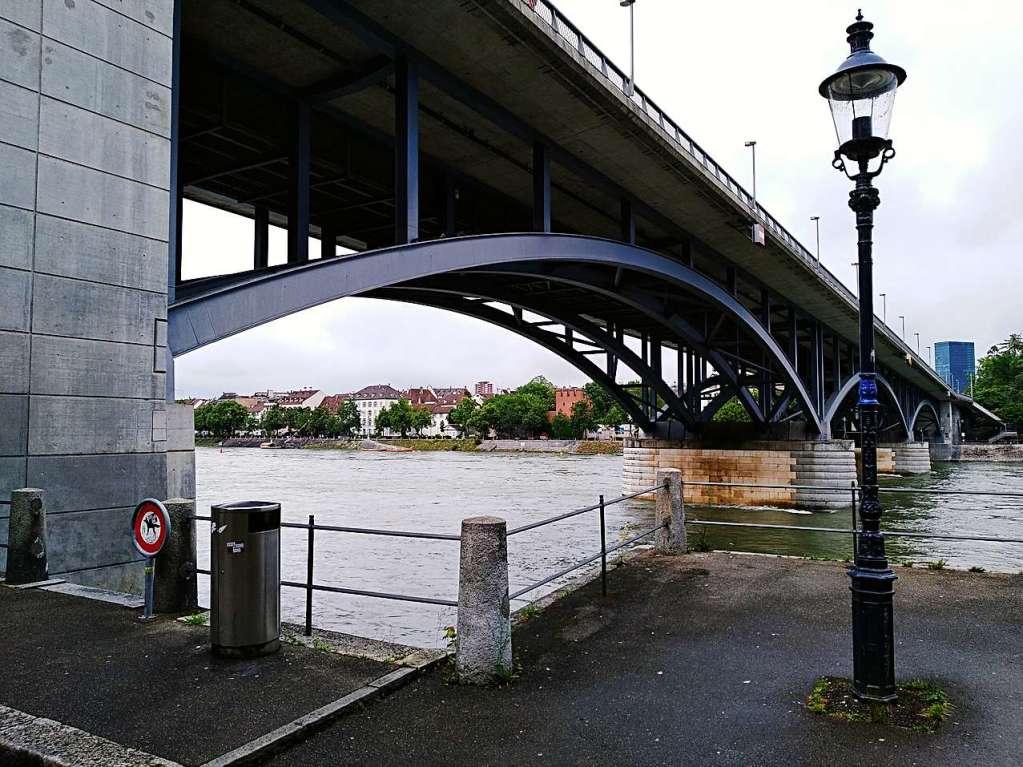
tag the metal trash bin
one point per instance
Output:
(245, 567)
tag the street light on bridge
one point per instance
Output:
(630, 86)
(861, 93)
(917, 342)
(884, 308)
(817, 221)
(903, 318)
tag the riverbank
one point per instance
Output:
(551, 446)
(705, 659)
(977, 453)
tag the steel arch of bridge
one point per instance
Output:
(618, 276)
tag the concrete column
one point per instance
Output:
(671, 509)
(484, 620)
(175, 590)
(26, 537)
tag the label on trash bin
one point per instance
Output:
(236, 547)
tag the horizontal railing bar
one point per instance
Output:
(621, 498)
(377, 594)
(361, 530)
(927, 491)
(857, 488)
(97, 567)
(577, 512)
(829, 488)
(371, 531)
(583, 563)
(847, 530)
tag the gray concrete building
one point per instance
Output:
(85, 127)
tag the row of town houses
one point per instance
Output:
(370, 400)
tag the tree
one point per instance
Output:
(273, 420)
(539, 387)
(516, 415)
(462, 415)
(399, 417)
(606, 411)
(561, 427)
(222, 419)
(998, 385)
(582, 419)
(732, 412)
(421, 418)
(348, 419)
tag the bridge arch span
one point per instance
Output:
(925, 419)
(622, 275)
(834, 404)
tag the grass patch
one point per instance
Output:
(921, 705)
(319, 644)
(198, 619)
(937, 564)
(433, 445)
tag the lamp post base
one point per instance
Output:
(873, 641)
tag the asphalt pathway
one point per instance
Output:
(155, 686)
(707, 660)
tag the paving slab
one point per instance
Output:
(707, 660)
(154, 686)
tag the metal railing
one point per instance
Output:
(600, 506)
(310, 586)
(855, 491)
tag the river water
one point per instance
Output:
(432, 492)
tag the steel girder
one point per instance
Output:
(210, 310)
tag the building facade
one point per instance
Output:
(484, 389)
(956, 363)
(371, 400)
(565, 399)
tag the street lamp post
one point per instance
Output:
(929, 355)
(630, 85)
(817, 221)
(903, 318)
(884, 308)
(917, 342)
(861, 93)
(752, 145)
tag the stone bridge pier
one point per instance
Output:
(792, 465)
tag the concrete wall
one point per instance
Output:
(940, 452)
(820, 464)
(84, 206)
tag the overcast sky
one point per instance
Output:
(947, 241)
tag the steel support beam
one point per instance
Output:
(406, 152)
(541, 188)
(299, 173)
(628, 222)
(261, 238)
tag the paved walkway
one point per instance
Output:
(706, 660)
(155, 687)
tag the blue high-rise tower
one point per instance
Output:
(956, 363)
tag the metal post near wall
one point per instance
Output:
(603, 551)
(309, 577)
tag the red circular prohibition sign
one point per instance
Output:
(150, 527)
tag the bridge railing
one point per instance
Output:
(604, 67)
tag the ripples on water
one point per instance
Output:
(432, 492)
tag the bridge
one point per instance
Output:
(477, 156)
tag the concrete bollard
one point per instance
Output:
(671, 509)
(175, 589)
(26, 537)
(484, 652)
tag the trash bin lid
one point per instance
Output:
(251, 516)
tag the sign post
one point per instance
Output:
(150, 529)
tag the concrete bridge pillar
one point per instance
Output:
(85, 206)
(828, 465)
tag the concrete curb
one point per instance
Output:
(32, 741)
(302, 727)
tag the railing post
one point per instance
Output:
(26, 537)
(175, 587)
(309, 577)
(671, 512)
(484, 652)
(603, 551)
